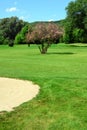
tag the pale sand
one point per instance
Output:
(14, 92)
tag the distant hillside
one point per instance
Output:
(59, 23)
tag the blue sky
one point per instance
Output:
(34, 10)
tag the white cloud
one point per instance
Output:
(25, 18)
(50, 20)
(22, 17)
(12, 9)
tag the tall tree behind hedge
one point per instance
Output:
(76, 22)
(21, 36)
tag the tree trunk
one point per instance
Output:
(44, 51)
(43, 48)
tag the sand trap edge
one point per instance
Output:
(14, 92)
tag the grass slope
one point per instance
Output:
(62, 76)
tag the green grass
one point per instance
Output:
(62, 76)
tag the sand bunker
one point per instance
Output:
(14, 92)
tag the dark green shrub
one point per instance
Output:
(11, 43)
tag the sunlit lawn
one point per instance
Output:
(62, 77)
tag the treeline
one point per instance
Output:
(13, 30)
(72, 29)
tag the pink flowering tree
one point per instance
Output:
(44, 35)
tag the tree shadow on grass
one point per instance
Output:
(61, 53)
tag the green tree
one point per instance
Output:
(9, 27)
(78, 35)
(21, 36)
(76, 21)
